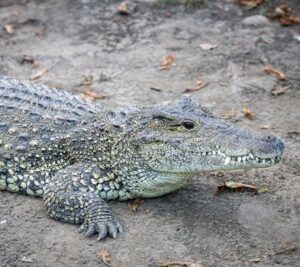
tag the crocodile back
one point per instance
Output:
(42, 130)
(28, 111)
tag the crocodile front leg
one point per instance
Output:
(72, 197)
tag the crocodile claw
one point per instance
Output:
(101, 225)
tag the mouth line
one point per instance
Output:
(250, 158)
(242, 159)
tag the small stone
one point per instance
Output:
(12, 130)
(255, 21)
(33, 143)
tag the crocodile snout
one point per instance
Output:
(275, 143)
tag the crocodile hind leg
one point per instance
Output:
(72, 197)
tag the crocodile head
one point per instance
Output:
(182, 139)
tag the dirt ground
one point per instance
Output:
(83, 38)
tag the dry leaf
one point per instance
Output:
(38, 74)
(26, 259)
(90, 94)
(133, 206)
(200, 84)
(284, 15)
(254, 260)
(126, 7)
(178, 263)
(208, 46)
(122, 8)
(265, 126)
(237, 186)
(247, 113)
(8, 28)
(280, 90)
(277, 73)
(105, 257)
(29, 60)
(155, 89)
(167, 62)
(249, 3)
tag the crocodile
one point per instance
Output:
(78, 154)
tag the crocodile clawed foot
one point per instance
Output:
(102, 225)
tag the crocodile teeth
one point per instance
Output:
(251, 156)
(239, 159)
(227, 160)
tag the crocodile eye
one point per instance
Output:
(188, 125)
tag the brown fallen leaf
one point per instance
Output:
(237, 186)
(155, 89)
(8, 28)
(178, 263)
(38, 74)
(284, 15)
(277, 73)
(200, 84)
(104, 255)
(247, 113)
(249, 3)
(26, 59)
(280, 90)
(167, 62)
(133, 206)
(92, 95)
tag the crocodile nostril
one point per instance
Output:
(269, 138)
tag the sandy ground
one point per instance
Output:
(73, 39)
